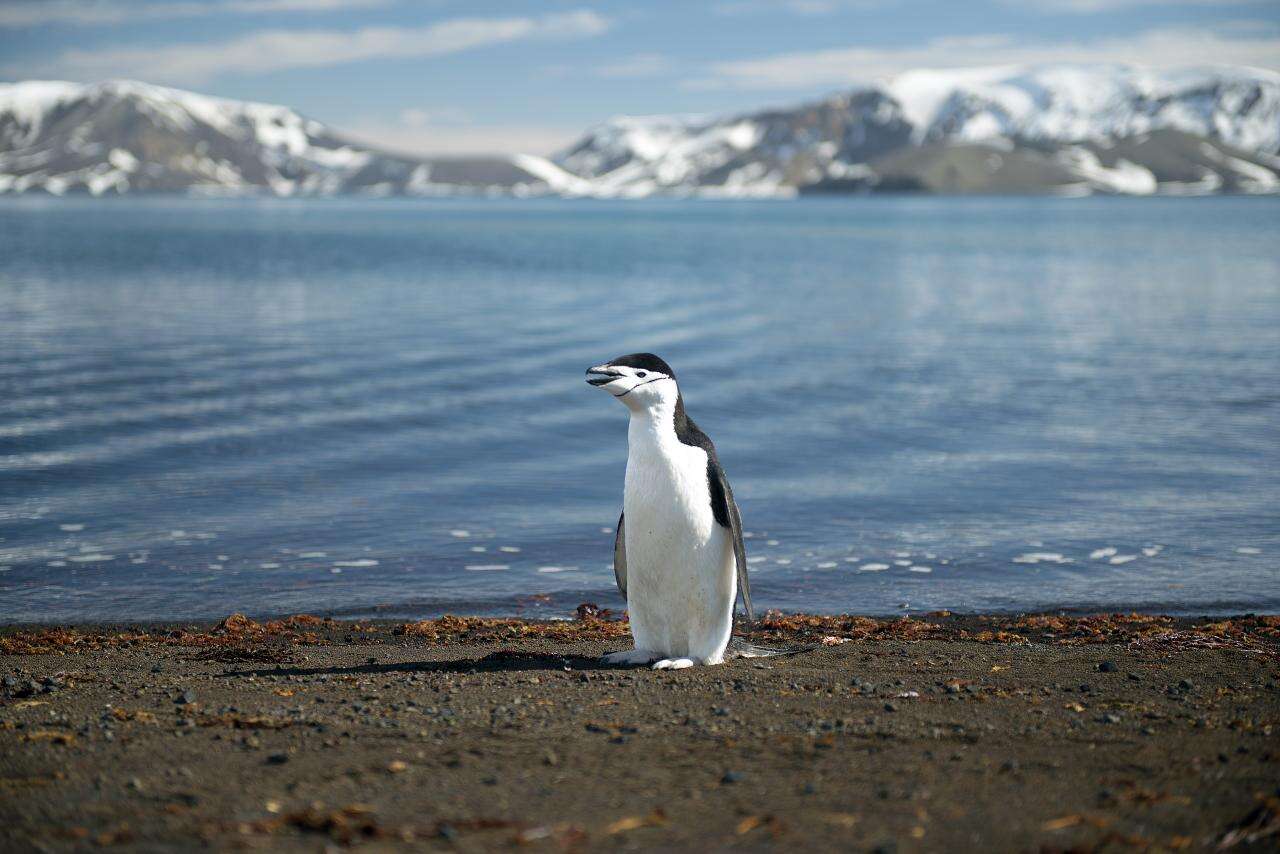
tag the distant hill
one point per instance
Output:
(123, 136)
(1060, 129)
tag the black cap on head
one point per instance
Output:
(644, 362)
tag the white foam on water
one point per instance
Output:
(92, 557)
(268, 566)
(1248, 550)
(57, 563)
(607, 531)
(1099, 554)
(312, 554)
(364, 561)
(138, 560)
(771, 542)
(460, 533)
(512, 550)
(336, 571)
(554, 569)
(756, 559)
(902, 554)
(902, 563)
(72, 528)
(1152, 551)
(828, 564)
(783, 561)
(5, 568)
(486, 567)
(920, 569)
(215, 566)
(1120, 560)
(224, 558)
(873, 567)
(852, 559)
(478, 549)
(177, 534)
(1042, 557)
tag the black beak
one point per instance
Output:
(601, 375)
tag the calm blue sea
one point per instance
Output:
(378, 407)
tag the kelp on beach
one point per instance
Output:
(239, 638)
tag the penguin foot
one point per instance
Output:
(629, 656)
(674, 663)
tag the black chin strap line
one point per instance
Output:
(637, 385)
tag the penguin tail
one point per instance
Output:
(738, 648)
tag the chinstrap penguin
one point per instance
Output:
(678, 553)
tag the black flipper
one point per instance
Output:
(725, 510)
(620, 556)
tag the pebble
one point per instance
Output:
(277, 758)
(1107, 667)
(186, 698)
(731, 777)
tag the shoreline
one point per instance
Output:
(1018, 732)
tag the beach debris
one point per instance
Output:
(1262, 822)
(656, 818)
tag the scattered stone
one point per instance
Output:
(1107, 667)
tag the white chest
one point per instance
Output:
(667, 498)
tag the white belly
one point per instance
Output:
(681, 579)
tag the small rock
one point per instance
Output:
(890, 707)
(1107, 667)
(730, 777)
(1111, 718)
(186, 698)
(1186, 685)
(277, 758)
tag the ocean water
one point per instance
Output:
(377, 407)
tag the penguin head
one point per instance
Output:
(640, 380)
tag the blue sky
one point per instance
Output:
(434, 76)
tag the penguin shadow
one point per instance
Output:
(500, 661)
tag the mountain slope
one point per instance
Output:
(1063, 129)
(122, 136)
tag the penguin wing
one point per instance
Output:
(725, 510)
(620, 555)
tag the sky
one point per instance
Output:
(442, 77)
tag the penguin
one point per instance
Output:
(678, 554)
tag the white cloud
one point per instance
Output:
(639, 65)
(808, 8)
(1089, 7)
(1259, 46)
(29, 13)
(445, 139)
(274, 50)
(415, 117)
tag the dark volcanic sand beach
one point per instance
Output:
(936, 733)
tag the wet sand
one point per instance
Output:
(939, 733)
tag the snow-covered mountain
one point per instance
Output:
(1049, 129)
(1071, 129)
(122, 136)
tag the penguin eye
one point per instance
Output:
(641, 374)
